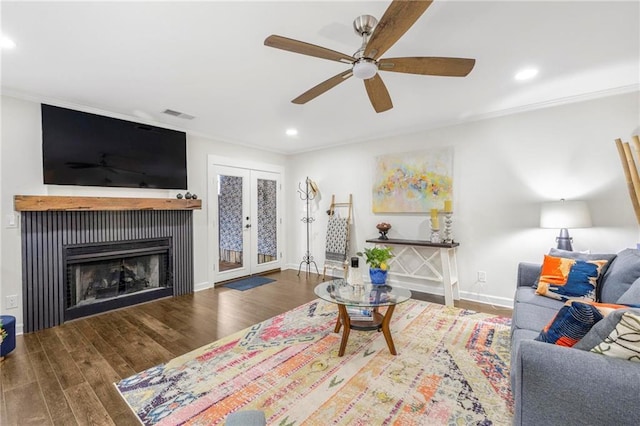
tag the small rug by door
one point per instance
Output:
(247, 283)
(451, 368)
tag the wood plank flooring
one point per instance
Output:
(64, 375)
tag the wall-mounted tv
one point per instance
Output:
(80, 148)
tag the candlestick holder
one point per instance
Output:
(435, 236)
(435, 233)
(448, 233)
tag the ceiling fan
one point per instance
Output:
(377, 38)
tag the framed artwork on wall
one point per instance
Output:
(413, 182)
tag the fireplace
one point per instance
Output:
(104, 276)
(60, 245)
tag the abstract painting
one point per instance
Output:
(413, 182)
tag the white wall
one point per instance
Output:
(503, 169)
(21, 174)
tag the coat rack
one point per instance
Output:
(307, 194)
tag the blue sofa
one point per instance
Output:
(557, 385)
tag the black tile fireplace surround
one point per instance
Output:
(47, 236)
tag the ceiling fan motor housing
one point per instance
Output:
(364, 25)
(364, 68)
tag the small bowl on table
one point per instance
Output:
(383, 228)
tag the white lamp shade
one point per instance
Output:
(565, 214)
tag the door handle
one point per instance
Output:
(248, 225)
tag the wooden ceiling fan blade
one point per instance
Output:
(397, 19)
(449, 67)
(378, 94)
(303, 48)
(318, 90)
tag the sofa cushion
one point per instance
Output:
(632, 295)
(617, 335)
(624, 270)
(564, 278)
(518, 336)
(528, 274)
(573, 321)
(528, 295)
(531, 317)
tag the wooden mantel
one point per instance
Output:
(65, 203)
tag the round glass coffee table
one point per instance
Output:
(358, 307)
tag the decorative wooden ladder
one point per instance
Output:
(332, 211)
(631, 171)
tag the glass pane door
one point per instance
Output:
(233, 221)
(266, 214)
(248, 220)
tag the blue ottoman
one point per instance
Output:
(9, 342)
(246, 418)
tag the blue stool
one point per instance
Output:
(9, 342)
(246, 418)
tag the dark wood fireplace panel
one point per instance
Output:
(45, 234)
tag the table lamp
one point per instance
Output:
(564, 215)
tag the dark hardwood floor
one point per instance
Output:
(64, 375)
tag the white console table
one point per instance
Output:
(426, 260)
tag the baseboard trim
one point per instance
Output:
(436, 289)
(19, 329)
(503, 302)
(202, 286)
(303, 268)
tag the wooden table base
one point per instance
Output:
(380, 323)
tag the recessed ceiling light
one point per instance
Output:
(291, 132)
(7, 43)
(526, 74)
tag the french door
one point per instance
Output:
(247, 221)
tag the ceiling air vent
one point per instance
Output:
(178, 114)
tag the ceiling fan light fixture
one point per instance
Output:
(364, 69)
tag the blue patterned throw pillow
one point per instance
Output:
(565, 279)
(574, 320)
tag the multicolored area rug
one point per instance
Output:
(451, 368)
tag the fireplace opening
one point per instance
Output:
(105, 276)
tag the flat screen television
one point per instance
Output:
(80, 148)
